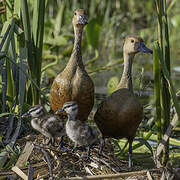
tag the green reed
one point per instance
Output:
(161, 85)
(20, 64)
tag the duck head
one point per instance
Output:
(34, 112)
(79, 19)
(134, 44)
(71, 109)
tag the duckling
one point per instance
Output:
(120, 114)
(47, 124)
(74, 83)
(79, 132)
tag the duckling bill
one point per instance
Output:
(79, 132)
(47, 124)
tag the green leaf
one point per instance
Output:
(112, 84)
(145, 142)
(2, 55)
(57, 41)
(169, 81)
(3, 158)
(59, 17)
(93, 31)
(4, 114)
(157, 90)
(22, 77)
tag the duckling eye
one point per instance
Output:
(132, 40)
(75, 13)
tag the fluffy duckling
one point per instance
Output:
(47, 124)
(79, 132)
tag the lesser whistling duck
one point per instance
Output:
(74, 84)
(47, 124)
(79, 132)
(120, 114)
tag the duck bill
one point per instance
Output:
(59, 111)
(27, 114)
(82, 20)
(143, 48)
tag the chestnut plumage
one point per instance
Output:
(73, 83)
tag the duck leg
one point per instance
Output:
(130, 154)
(102, 142)
(75, 145)
(88, 153)
(47, 141)
(61, 145)
(122, 150)
(89, 150)
(81, 148)
(116, 144)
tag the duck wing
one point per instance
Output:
(54, 126)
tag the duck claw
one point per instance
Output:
(65, 149)
(85, 157)
(81, 148)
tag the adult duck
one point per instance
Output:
(73, 83)
(120, 114)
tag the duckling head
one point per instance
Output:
(79, 19)
(134, 44)
(71, 109)
(35, 112)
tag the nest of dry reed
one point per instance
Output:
(49, 162)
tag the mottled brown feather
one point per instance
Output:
(74, 84)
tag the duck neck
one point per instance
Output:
(76, 58)
(126, 79)
(71, 118)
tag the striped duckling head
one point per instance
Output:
(35, 112)
(71, 108)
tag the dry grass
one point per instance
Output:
(68, 165)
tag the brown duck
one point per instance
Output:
(73, 83)
(120, 114)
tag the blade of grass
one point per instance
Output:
(170, 84)
(17, 6)
(59, 18)
(9, 9)
(29, 77)
(12, 52)
(148, 135)
(165, 91)
(29, 45)
(38, 32)
(164, 52)
(23, 54)
(157, 90)
(6, 69)
(5, 35)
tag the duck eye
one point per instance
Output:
(75, 13)
(132, 40)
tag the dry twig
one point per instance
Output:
(111, 176)
(164, 140)
(47, 160)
